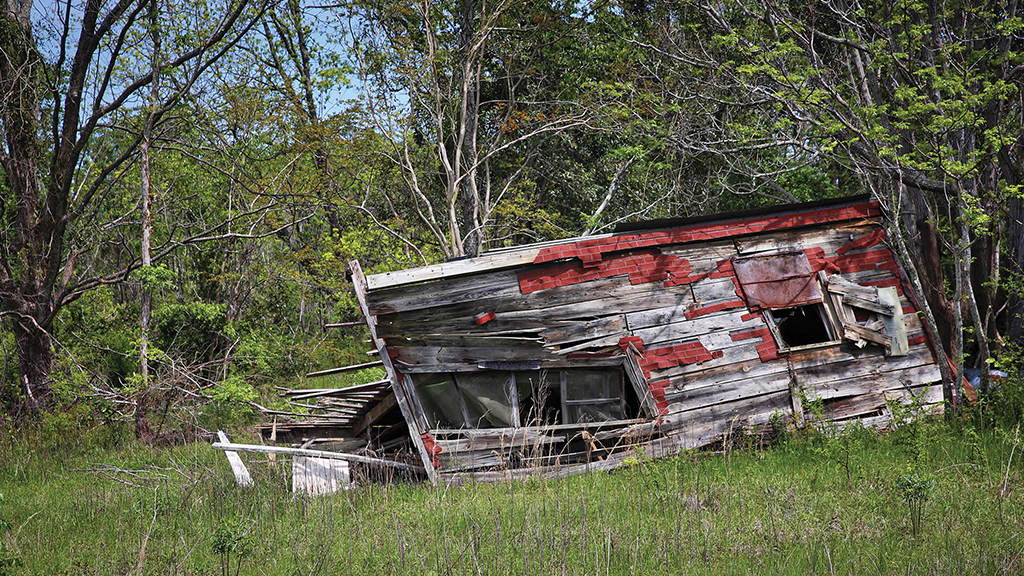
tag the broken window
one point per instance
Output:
(440, 400)
(786, 291)
(802, 326)
(789, 295)
(505, 399)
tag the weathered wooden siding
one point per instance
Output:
(711, 365)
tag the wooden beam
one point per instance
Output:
(375, 413)
(397, 383)
(345, 324)
(484, 263)
(343, 369)
(237, 466)
(314, 454)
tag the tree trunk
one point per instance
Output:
(1015, 272)
(469, 198)
(35, 360)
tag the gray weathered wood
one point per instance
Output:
(238, 468)
(319, 476)
(344, 369)
(412, 413)
(315, 454)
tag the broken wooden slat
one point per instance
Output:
(241, 473)
(482, 263)
(344, 369)
(411, 410)
(382, 408)
(315, 454)
(345, 324)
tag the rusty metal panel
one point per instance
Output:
(777, 280)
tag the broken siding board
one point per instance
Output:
(703, 258)
(830, 238)
(694, 398)
(745, 351)
(715, 290)
(725, 321)
(411, 411)
(593, 298)
(707, 424)
(444, 293)
(585, 330)
(845, 408)
(869, 383)
(723, 374)
(826, 366)
(483, 263)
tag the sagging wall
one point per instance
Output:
(668, 308)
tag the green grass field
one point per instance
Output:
(810, 505)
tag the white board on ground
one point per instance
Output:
(319, 476)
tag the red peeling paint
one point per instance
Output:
(432, 449)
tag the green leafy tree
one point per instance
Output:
(919, 102)
(64, 93)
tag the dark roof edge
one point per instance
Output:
(774, 209)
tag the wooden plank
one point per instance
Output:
(871, 383)
(586, 300)
(319, 476)
(829, 238)
(703, 257)
(691, 399)
(539, 364)
(315, 454)
(895, 326)
(726, 321)
(369, 386)
(636, 377)
(706, 424)
(520, 439)
(411, 410)
(344, 324)
(343, 369)
(375, 413)
(238, 468)
(444, 292)
(483, 263)
(714, 290)
(836, 364)
(490, 432)
(568, 333)
(744, 351)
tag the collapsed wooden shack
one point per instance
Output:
(580, 354)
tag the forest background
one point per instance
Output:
(183, 183)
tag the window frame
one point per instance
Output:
(565, 404)
(828, 320)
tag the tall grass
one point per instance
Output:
(108, 506)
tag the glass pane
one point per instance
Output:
(488, 398)
(579, 413)
(540, 397)
(440, 401)
(592, 384)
